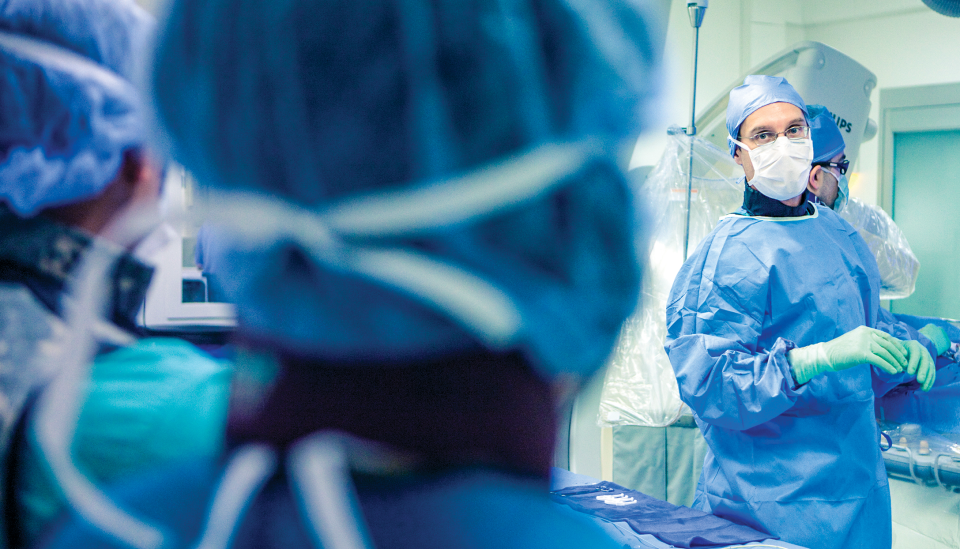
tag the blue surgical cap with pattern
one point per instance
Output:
(70, 109)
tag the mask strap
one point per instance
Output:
(247, 472)
(320, 475)
(58, 58)
(738, 143)
(428, 207)
(477, 303)
(442, 203)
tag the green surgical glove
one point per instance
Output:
(861, 345)
(920, 364)
(938, 336)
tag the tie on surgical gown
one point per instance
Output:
(800, 462)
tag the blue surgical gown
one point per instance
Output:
(800, 462)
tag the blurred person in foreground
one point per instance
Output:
(73, 161)
(431, 243)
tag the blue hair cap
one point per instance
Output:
(70, 109)
(758, 91)
(827, 139)
(323, 101)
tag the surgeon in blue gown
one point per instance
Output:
(430, 242)
(771, 335)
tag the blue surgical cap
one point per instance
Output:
(318, 101)
(69, 109)
(758, 91)
(827, 139)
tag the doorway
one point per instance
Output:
(920, 188)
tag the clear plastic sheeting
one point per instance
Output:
(921, 440)
(898, 266)
(640, 387)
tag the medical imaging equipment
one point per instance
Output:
(822, 76)
(178, 298)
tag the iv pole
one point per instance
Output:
(696, 9)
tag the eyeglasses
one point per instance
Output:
(843, 165)
(793, 132)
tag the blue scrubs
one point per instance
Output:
(800, 462)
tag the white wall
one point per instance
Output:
(735, 36)
(905, 44)
(153, 6)
(902, 41)
(719, 66)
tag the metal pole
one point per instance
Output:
(693, 96)
(696, 9)
(692, 132)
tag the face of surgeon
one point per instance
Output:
(824, 182)
(775, 117)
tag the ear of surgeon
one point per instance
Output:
(828, 148)
(825, 183)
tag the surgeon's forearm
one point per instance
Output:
(731, 388)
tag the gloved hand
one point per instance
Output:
(861, 345)
(938, 336)
(920, 364)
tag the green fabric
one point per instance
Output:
(663, 462)
(938, 336)
(640, 459)
(861, 345)
(159, 400)
(905, 537)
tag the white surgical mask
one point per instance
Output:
(781, 168)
